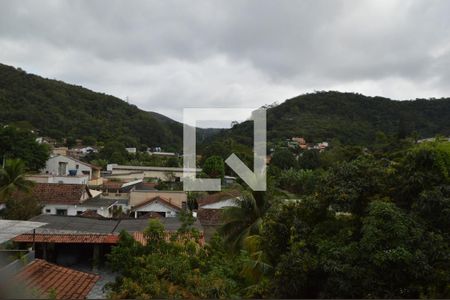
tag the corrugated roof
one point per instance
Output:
(68, 238)
(12, 228)
(74, 225)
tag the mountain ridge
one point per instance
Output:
(61, 110)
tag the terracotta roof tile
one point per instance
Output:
(56, 193)
(210, 216)
(64, 282)
(217, 197)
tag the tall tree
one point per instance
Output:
(214, 167)
(244, 219)
(12, 179)
(21, 143)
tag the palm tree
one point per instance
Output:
(244, 219)
(12, 179)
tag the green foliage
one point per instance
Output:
(14, 192)
(176, 268)
(214, 167)
(353, 119)
(61, 110)
(299, 181)
(21, 144)
(22, 208)
(244, 220)
(12, 179)
(283, 159)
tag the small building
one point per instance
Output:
(158, 205)
(62, 165)
(61, 199)
(177, 198)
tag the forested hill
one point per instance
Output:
(351, 118)
(60, 110)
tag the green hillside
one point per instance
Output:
(60, 110)
(350, 118)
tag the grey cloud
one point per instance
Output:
(166, 55)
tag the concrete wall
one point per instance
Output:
(50, 209)
(59, 179)
(52, 166)
(174, 197)
(158, 207)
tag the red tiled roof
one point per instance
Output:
(68, 238)
(49, 278)
(210, 216)
(114, 185)
(159, 199)
(56, 193)
(217, 197)
(140, 237)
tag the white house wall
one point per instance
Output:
(52, 166)
(158, 207)
(50, 209)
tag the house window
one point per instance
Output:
(61, 212)
(184, 205)
(79, 212)
(47, 211)
(62, 168)
(77, 167)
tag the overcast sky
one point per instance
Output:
(168, 55)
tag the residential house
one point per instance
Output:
(62, 199)
(300, 142)
(157, 205)
(177, 198)
(69, 240)
(22, 276)
(62, 165)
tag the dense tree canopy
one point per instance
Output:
(21, 144)
(370, 226)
